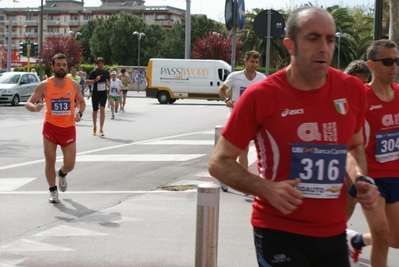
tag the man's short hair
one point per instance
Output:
(123, 70)
(73, 68)
(100, 59)
(58, 56)
(357, 66)
(252, 53)
(374, 48)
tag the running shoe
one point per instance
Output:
(94, 131)
(53, 197)
(353, 253)
(224, 187)
(113, 117)
(102, 133)
(62, 183)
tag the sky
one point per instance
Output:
(214, 9)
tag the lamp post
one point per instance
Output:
(139, 35)
(339, 34)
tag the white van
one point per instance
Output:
(171, 79)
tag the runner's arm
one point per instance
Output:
(356, 165)
(224, 167)
(38, 94)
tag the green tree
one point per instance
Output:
(122, 41)
(100, 41)
(84, 39)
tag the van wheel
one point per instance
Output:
(172, 100)
(15, 100)
(163, 97)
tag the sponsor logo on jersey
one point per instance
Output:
(373, 107)
(390, 120)
(289, 112)
(69, 93)
(341, 105)
(311, 131)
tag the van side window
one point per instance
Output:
(223, 74)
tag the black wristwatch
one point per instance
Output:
(366, 179)
(80, 113)
(226, 100)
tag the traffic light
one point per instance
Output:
(22, 49)
(29, 49)
(33, 50)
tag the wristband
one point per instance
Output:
(365, 179)
(226, 100)
(80, 113)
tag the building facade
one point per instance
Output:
(62, 17)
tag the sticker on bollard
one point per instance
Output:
(208, 195)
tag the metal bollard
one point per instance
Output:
(206, 245)
(218, 131)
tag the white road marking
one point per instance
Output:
(29, 245)
(101, 149)
(138, 157)
(83, 192)
(9, 184)
(181, 142)
(12, 263)
(64, 230)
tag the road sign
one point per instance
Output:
(277, 25)
(228, 14)
(241, 14)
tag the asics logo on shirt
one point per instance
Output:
(288, 112)
(375, 107)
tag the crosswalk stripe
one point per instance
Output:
(137, 157)
(9, 184)
(29, 245)
(180, 142)
(64, 230)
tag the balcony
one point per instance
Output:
(164, 22)
(53, 22)
(74, 23)
(47, 34)
(31, 35)
(31, 22)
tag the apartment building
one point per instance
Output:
(62, 16)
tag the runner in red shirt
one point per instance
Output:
(304, 120)
(381, 132)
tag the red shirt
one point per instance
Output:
(381, 132)
(301, 134)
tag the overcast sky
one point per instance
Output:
(214, 9)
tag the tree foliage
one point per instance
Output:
(67, 45)
(215, 46)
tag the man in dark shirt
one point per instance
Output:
(100, 80)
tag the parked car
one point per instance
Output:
(17, 86)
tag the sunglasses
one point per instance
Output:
(388, 61)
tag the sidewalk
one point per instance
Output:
(135, 94)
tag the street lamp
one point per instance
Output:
(139, 35)
(339, 34)
(76, 34)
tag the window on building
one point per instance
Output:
(65, 19)
(160, 17)
(64, 31)
(50, 17)
(146, 18)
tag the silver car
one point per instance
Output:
(17, 86)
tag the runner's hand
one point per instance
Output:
(367, 195)
(283, 196)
